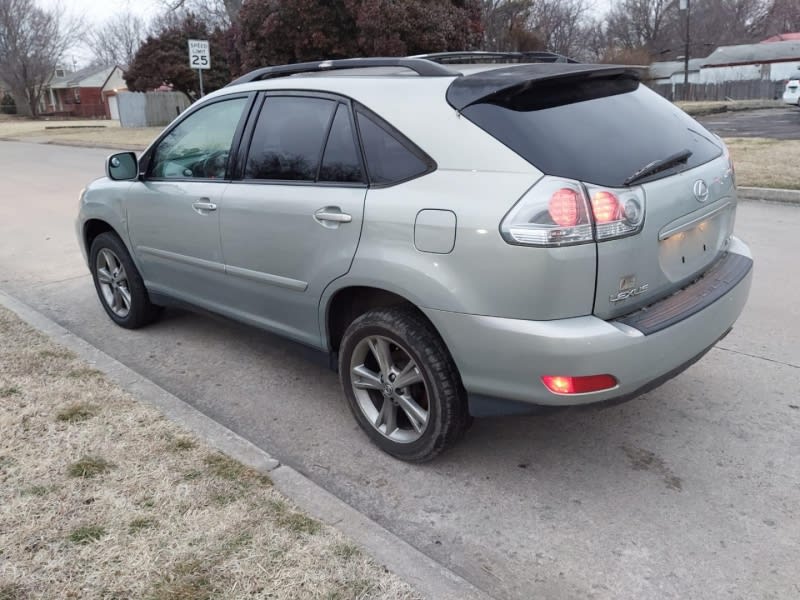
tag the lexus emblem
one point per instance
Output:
(700, 190)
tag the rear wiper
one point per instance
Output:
(659, 165)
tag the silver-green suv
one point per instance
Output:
(462, 239)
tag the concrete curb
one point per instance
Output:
(769, 194)
(429, 577)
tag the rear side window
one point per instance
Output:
(389, 160)
(341, 161)
(595, 131)
(288, 139)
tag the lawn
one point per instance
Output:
(762, 162)
(97, 132)
(102, 497)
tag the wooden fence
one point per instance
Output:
(151, 109)
(751, 89)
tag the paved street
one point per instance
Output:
(688, 492)
(778, 123)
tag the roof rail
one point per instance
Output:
(425, 68)
(476, 57)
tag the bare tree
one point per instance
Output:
(116, 41)
(634, 24)
(214, 12)
(32, 41)
(506, 26)
(561, 25)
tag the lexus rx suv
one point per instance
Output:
(464, 234)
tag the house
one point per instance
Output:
(671, 71)
(770, 61)
(88, 93)
(741, 72)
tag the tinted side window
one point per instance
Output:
(288, 138)
(199, 146)
(341, 161)
(388, 160)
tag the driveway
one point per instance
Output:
(777, 123)
(688, 492)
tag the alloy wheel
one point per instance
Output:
(113, 281)
(389, 389)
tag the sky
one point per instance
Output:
(96, 11)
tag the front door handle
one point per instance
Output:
(204, 207)
(332, 216)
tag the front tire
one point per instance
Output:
(119, 284)
(402, 384)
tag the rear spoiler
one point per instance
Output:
(481, 87)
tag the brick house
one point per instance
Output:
(89, 93)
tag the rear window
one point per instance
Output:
(596, 131)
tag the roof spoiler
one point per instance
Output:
(483, 86)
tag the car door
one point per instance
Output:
(290, 223)
(173, 212)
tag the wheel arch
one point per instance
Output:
(94, 227)
(346, 303)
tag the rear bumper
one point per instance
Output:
(504, 359)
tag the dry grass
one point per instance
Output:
(766, 163)
(705, 108)
(89, 132)
(101, 497)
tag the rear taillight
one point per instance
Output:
(617, 212)
(562, 212)
(554, 212)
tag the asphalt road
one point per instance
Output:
(692, 491)
(778, 123)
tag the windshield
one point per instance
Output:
(596, 131)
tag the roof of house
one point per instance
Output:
(660, 70)
(85, 78)
(782, 37)
(754, 53)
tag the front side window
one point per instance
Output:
(288, 139)
(199, 147)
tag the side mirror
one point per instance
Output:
(122, 167)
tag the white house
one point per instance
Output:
(772, 61)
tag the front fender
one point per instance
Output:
(104, 200)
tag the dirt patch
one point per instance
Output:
(102, 497)
(762, 162)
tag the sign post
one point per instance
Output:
(199, 58)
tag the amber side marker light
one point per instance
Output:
(565, 384)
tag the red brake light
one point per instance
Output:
(565, 384)
(563, 207)
(605, 207)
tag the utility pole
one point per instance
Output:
(684, 5)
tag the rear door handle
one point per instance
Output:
(332, 215)
(204, 207)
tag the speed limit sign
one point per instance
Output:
(199, 54)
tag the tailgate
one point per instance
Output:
(689, 220)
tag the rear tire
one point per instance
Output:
(402, 384)
(118, 283)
